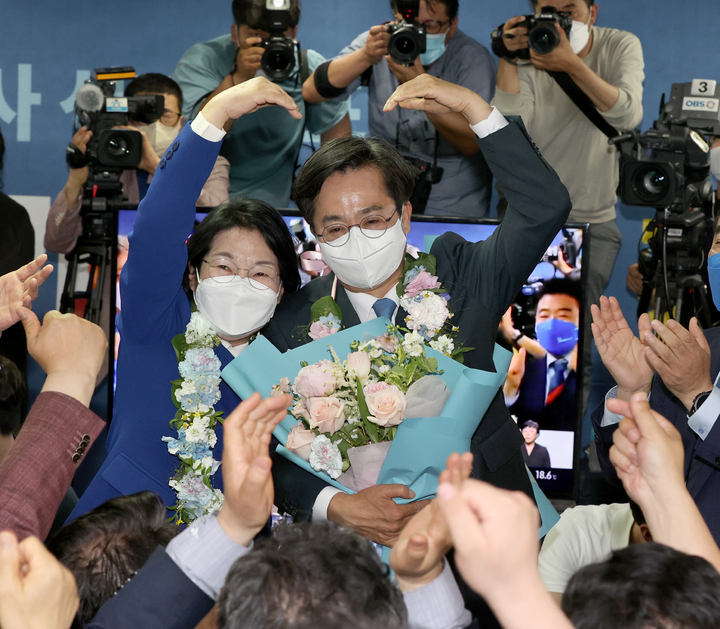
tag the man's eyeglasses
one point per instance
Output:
(169, 117)
(372, 226)
(433, 26)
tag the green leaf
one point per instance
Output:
(372, 429)
(323, 307)
(180, 346)
(174, 386)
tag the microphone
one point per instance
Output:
(89, 98)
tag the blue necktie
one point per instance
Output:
(557, 380)
(384, 307)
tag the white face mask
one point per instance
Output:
(434, 48)
(579, 36)
(161, 136)
(715, 162)
(235, 308)
(364, 262)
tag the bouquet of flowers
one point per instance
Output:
(361, 401)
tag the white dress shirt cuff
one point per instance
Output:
(704, 418)
(610, 418)
(205, 554)
(494, 122)
(322, 502)
(437, 605)
(206, 130)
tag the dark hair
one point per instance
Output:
(536, 2)
(531, 424)
(309, 575)
(252, 13)
(250, 214)
(637, 513)
(451, 6)
(154, 83)
(12, 392)
(644, 586)
(561, 286)
(106, 547)
(346, 154)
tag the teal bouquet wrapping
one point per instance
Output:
(368, 399)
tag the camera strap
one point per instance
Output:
(583, 103)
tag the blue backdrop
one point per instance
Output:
(50, 47)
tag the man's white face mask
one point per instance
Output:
(579, 35)
(160, 135)
(364, 262)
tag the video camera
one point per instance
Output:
(278, 60)
(542, 35)
(110, 150)
(407, 39)
(668, 168)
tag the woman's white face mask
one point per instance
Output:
(235, 308)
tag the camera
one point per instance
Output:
(542, 35)
(568, 247)
(668, 168)
(110, 150)
(278, 60)
(407, 39)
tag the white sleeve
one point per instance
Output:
(319, 510)
(494, 122)
(437, 605)
(206, 129)
(704, 418)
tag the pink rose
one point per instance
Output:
(316, 380)
(320, 330)
(281, 388)
(327, 414)
(422, 281)
(385, 402)
(299, 441)
(387, 342)
(359, 362)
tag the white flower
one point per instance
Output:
(443, 344)
(384, 368)
(376, 353)
(427, 310)
(199, 330)
(325, 457)
(413, 344)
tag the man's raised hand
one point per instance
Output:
(246, 465)
(620, 350)
(428, 93)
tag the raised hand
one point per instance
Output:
(36, 590)
(620, 350)
(373, 513)
(19, 288)
(433, 95)
(516, 371)
(417, 556)
(246, 465)
(681, 358)
(246, 98)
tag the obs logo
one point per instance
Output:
(701, 104)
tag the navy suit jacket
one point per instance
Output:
(702, 456)
(561, 414)
(483, 279)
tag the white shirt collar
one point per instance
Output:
(363, 303)
(235, 351)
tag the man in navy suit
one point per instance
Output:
(542, 388)
(352, 181)
(679, 371)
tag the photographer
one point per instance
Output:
(607, 65)
(440, 142)
(262, 150)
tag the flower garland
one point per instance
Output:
(194, 395)
(422, 296)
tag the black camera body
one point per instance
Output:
(668, 166)
(542, 35)
(407, 39)
(278, 60)
(110, 150)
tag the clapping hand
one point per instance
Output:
(19, 288)
(246, 465)
(620, 350)
(417, 556)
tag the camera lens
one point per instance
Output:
(117, 146)
(543, 39)
(651, 184)
(278, 60)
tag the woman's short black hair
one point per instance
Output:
(250, 214)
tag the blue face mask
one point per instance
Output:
(714, 278)
(434, 48)
(557, 336)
